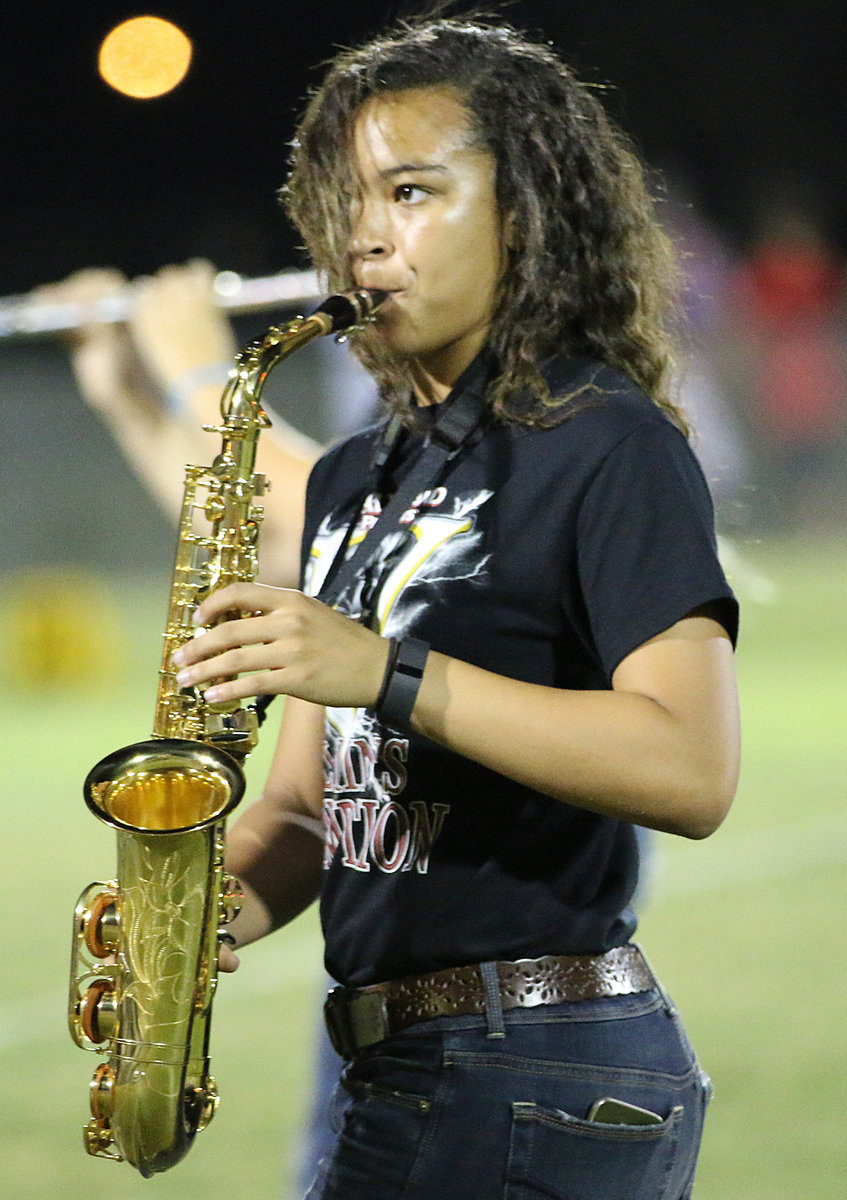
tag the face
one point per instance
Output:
(426, 228)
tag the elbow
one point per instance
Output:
(708, 786)
(706, 806)
(702, 824)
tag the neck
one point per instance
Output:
(428, 390)
(433, 377)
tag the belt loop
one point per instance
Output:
(492, 1000)
(670, 1007)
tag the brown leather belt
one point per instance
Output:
(360, 1017)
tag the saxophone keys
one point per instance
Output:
(97, 1134)
(231, 899)
(203, 1102)
(101, 925)
(214, 508)
(97, 1138)
(100, 1095)
(98, 1012)
(250, 532)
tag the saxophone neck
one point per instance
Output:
(255, 361)
(342, 312)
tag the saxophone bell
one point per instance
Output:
(143, 959)
(165, 785)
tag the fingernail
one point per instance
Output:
(177, 658)
(212, 693)
(183, 677)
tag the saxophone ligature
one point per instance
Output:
(145, 945)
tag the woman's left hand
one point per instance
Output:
(286, 643)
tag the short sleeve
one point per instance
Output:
(646, 548)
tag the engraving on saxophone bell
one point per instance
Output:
(145, 945)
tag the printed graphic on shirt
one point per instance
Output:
(365, 766)
(363, 821)
(436, 540)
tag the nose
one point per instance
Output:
(371, 237)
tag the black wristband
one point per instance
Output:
(402, 683)
(390, 663)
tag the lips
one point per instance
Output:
(382, 285)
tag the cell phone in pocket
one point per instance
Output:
(618, 1112)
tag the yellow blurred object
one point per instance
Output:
(58, 630)
(144, 57)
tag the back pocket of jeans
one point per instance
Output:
(554, 1156)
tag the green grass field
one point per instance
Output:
(745, 929)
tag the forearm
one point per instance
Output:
(287, 459)
(622, 754)
(277, 857)
(660, 748)
(157, 453)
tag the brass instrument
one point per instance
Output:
(145, 945)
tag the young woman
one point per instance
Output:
(513, 643)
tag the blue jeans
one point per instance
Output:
(457, 1109)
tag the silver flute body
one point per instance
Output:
(26, 316)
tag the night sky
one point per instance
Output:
(739, 99)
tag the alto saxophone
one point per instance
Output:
(145, 945)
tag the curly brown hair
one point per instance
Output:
(593, 275)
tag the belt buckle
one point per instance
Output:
(355, 1019)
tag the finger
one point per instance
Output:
(261, 684)
(228, 960)
(238, 597)
(83, 287)
(201, 271)
(204, 644)
(229, 635)
(230, 664)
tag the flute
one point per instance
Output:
(23, 316)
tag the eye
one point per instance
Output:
(409, 193)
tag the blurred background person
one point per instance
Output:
(707, 382)
(788, 294)
(156, 379)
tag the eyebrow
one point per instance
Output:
(411, 168)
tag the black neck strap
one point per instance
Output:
(451, 431)
(456, 422)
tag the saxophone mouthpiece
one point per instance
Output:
(352, 308)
